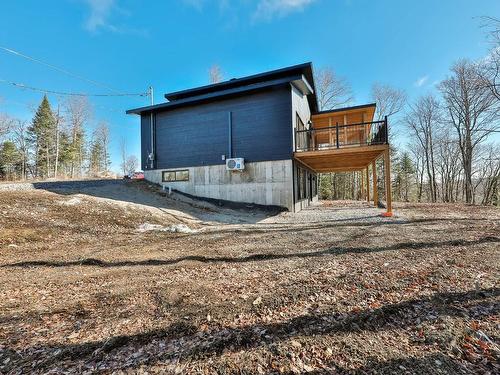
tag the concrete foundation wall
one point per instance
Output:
(267, 183)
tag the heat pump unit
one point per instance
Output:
(235, 164)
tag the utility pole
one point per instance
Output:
(151, 95)
(58, 119)
(152, 154)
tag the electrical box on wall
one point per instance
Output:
(235, 164)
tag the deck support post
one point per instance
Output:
(375, 187)
(367, 185)
(361, 185)
(387, 172)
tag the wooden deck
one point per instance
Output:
(346, 140)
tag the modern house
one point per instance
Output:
(258, 139)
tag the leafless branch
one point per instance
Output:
(332, 91)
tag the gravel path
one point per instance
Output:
(337, 211)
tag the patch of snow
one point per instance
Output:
(174, 228)
(71, 202)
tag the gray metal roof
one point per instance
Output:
(239, 86)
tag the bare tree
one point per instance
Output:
(78, 113)
(447, 154)
(123, 155)
(131, 164)
(20, 136)
(215, 74)
(332, 91)
(390, 100)
(490, 66)
(422, 120)
(6, 124)
(489, 72)
(489, 174)
(102, 133)
(473, 112)
(418, 161)
(492, 24)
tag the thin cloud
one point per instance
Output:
(421, 81)
(261, 10)
(101, 13)
(269, 9)
(196, 4)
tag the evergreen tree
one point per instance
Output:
(41, 134)
(9, 160)
(64, 153)
(403, 171)
(97, 162)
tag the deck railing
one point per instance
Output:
(340, 136)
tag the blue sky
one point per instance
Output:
(129, 45)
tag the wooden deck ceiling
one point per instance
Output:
(340, 160)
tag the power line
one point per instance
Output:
(47, 91)
(9, 50)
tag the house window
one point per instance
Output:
(300, 124)
(172, 176)
(182, 175)
(302, 141)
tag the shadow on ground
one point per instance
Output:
(194, 344)
(147, 194)
(254, 257)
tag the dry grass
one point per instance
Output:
(82, 290)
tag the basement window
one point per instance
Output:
(172, 176)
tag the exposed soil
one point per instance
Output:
(98, 278)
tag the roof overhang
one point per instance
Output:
(300, 69)
(303, 86)
(368, 109)
(299, 81)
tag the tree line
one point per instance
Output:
(57, 143)
(451, 154)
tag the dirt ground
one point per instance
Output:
(117, 277)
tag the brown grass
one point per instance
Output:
(82, 290)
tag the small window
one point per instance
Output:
(172, 176)
(168, 176)
(182, 175)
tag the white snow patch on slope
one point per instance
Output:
(71, 202)
(174, 228)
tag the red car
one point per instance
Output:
(134, 176)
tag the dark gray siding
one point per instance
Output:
(145, 140)
(199, 135)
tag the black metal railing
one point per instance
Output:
(339, 136)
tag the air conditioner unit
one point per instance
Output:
(235, 164)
